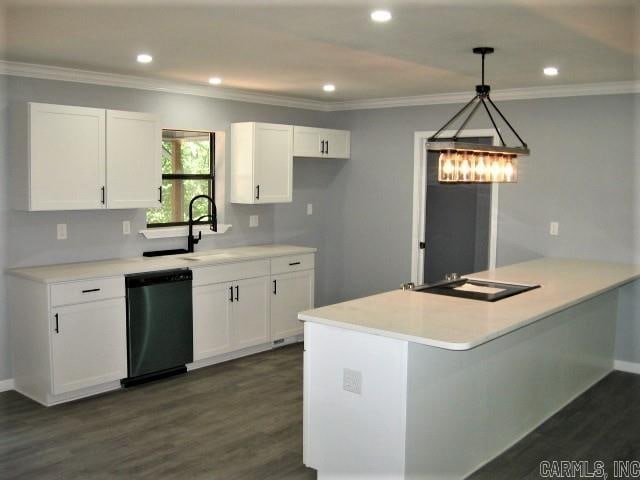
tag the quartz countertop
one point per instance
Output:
(123, 266)
(461, 324)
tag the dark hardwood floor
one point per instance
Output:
(237, 420)
(603, 424)
(243, 420)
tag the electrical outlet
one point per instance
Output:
(126, 227)
(309, 208)
(62, 231)
(352, 381)
(554, 229)
(253, 221)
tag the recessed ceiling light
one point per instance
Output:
(381, 16)
(215, 80)
(144, 58)
(329, 87)
(550, 71)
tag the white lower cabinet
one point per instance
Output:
(291, 293)
(250, 317)
(230, 316)
(88, 344)
(211, 320)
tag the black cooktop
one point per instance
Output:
(473, 289)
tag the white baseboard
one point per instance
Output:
(631, 367)
(6, 385)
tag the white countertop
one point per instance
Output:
(461, 324)
(123, 266)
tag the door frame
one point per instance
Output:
(418, 224)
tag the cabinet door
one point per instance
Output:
(273, 162)
(250, 317)
(66, 157)
(291, 293)
(306, 142)
(89, 346)
(338, 143)
(134, 174)
(211, 320)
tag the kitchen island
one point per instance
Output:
(407, 384)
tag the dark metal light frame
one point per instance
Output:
(483, 98)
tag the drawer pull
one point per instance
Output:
(294, 263)
(57, 329)
(231, 294)
(91, 290)
(275, 287)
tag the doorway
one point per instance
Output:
(454, 225)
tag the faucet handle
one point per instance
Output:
(196, 240)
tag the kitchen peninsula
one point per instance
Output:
(397, 385)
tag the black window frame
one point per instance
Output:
(193, 176)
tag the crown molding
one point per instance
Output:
(64, 74)
(49, 72)
(578, 90)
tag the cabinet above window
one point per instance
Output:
(79, 158)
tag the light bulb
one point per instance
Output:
(465, 169)
(495, 169)
(508, 171)
(480, 168)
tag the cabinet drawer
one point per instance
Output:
(230, 272)
(70, 293)
(292, 263)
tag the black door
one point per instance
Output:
(457, 224)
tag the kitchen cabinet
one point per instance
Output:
(66, 158)
(291, 293)
(321, 142)
(79, 158)
(230, 307)
(134, 170)
(88, 344)
(211, 320)
(250, 317)
(68, 338)
(261, 163)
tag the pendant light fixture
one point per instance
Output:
(464, 162)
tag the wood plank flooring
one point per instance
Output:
(237, 420)
(243, 420)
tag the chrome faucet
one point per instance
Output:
(191, 240)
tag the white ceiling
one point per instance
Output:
(293, 48)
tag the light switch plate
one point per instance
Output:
(61, 231)
(352, 381)
(253, 221)
(309, 208)
(126, 227)
(554, 228)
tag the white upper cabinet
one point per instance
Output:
(66, 149)
(79, 158)
(134, 173)
(261, 163)
(321, 142)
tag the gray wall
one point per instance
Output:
(29, 238)
(362, 207)
(583, 173)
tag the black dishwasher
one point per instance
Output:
(159, 324)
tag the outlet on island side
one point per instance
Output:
(61, 231)
(352, 381)
(554, 229)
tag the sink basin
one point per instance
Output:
(207, 257)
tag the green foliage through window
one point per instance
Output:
(187, 171)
